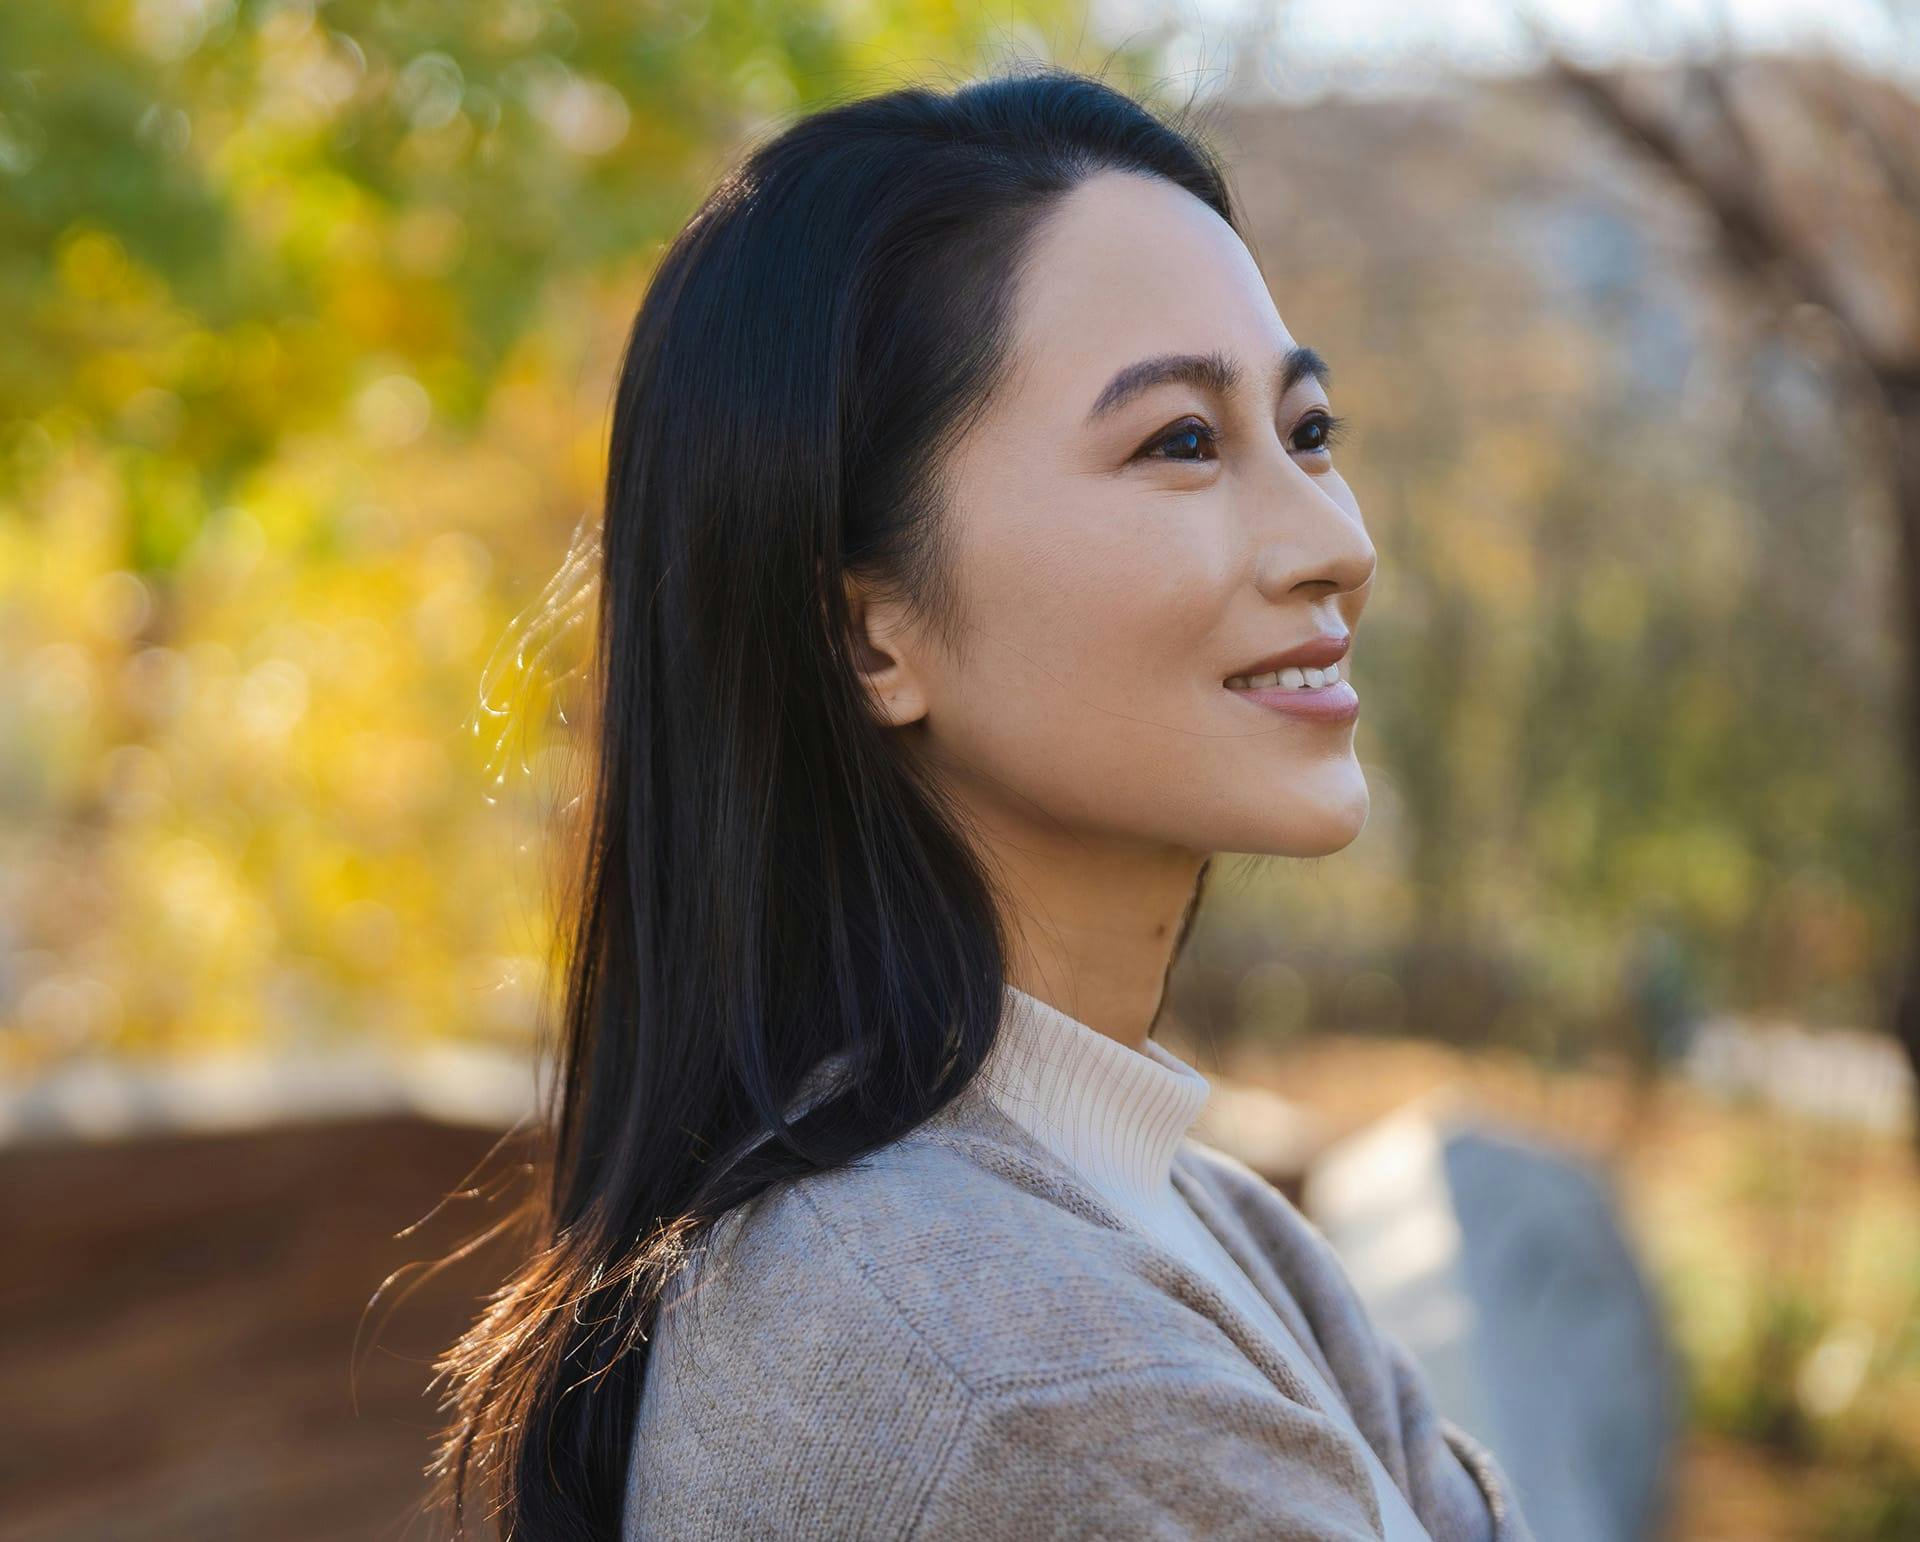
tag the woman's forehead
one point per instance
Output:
(1132, 268)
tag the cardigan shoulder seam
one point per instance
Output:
(995, 1387)
(864, 1266)
(937, 1471)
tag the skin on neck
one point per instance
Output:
(1095, 927)
(1114, 568)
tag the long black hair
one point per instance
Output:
(761, 877)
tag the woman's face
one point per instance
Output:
(1128, 537)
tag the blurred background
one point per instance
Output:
(310, 317)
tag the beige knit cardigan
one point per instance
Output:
(956, 1340)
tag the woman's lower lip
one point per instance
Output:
(1336, 703)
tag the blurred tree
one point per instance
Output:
(1809, 172)
(310, 309)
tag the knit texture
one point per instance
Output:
(957, 1338)
(1117, 1115)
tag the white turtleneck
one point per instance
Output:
(1118, 1117)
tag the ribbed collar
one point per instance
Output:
(1115, 1114)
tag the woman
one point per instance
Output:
(974, 566)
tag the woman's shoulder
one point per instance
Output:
(927, 1253)
(776, 1361)
(939, 1338)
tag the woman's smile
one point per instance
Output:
(1332, 699)
(1310, 681)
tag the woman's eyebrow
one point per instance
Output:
(1212, 371)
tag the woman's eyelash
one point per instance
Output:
(1332, 429)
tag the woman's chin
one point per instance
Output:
(1313, 822)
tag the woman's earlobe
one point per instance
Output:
(892, 694)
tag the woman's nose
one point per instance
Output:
(1315, 542)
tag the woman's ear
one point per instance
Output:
(881, 640)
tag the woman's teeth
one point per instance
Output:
(1294, 679)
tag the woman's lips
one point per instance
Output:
(1337, 703)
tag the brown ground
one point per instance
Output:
(177, 1355)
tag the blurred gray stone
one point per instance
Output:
(1499, 1262)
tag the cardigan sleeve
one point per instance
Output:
(1173, 1451)
(1453, 1476)
(1456, 1486)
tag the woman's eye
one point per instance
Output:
(1186, 439)
(1192, 440)
(1320, 431)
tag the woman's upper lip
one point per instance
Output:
(1316, 653)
